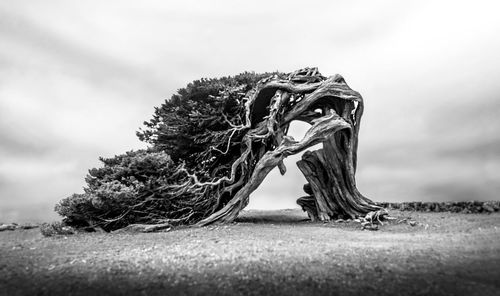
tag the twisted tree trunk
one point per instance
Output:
(333, 192)
(334, 112)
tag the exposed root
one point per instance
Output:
(373, 219)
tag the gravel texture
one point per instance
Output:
(264, 253)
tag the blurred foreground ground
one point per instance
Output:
(265, 252)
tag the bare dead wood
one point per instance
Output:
(334, 112)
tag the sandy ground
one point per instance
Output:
(265, 253)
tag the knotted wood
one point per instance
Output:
(334, 112)
(331, 178)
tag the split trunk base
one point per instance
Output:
(331, 190)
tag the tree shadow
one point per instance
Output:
(288, 216)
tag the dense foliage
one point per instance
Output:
(194, 126)
(191, 138)
(129, 188)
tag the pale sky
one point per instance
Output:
(78, 78)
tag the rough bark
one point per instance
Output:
(331, 179)
(334, 112)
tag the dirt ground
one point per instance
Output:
(264, 253)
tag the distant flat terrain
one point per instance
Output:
(264, 253)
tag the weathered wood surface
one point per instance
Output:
(334, 111)
(331, 178)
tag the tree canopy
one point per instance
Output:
(213, 143)
(189, 133)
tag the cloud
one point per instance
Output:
(486, 150)
(36, 48)
(77, 79)
(473, 189)
(14, 142)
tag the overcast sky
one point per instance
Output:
(78, 78)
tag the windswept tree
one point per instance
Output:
(213, 143)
